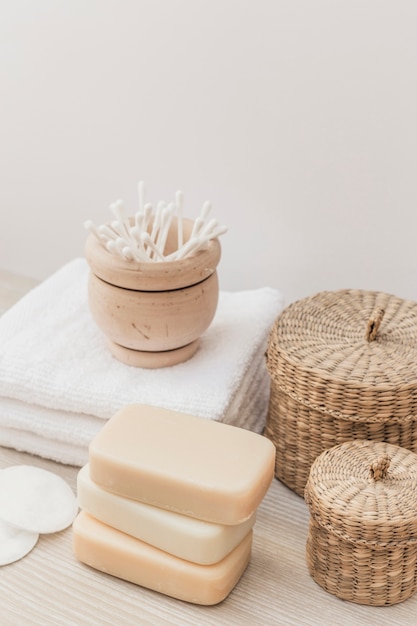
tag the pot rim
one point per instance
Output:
(152, 276)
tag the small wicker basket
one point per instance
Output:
(362, 541)
(343, 366)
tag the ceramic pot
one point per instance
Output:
(153, 314)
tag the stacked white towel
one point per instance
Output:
(58, 380)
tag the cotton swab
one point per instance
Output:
(179, 202)
(157, 219)
(205, 210)
(117, 208)
(138, 227)
(140, 252)
(146, 239)
(166, 219)
(211, 225)
(220, 230)
(120, 246)
(107, 232)
(191, 246)
(127, 253)
(156, 222)
(147, 216)
(200, 221)
(89, 225)
(111, 246)
(119, 229)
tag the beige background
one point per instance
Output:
(296, 118)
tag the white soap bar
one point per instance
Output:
(193, 466)
(184, 537)
(113, 552)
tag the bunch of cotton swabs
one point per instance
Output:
(144, 237)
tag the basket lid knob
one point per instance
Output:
(374, 323)
(380, 467)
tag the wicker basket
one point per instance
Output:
(362, 541)
(343, 366)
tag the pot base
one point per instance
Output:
(153, 360)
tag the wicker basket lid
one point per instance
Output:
(365, 492)
(350, 353)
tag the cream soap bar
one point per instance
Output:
(193, 466)
(121, 555)
(185, 537)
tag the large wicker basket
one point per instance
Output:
(343, 365)
(362, 541)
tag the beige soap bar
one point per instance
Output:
(121, 555)
(186, 537)
(193, 466)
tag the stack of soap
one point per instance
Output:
(169, 501)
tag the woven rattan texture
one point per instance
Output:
(343, 365)
(362, 541)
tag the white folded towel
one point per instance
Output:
(59, 381)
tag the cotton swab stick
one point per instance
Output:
(89, 225)
(138, 227)
(200, 221)
(197, 226)
(147, 215)
(200, 242)
(179, 203)
(157, 220)
(107, 232)
(117, 208)
(191, 246)
(166, 219)
(146, 239)
(211, 225)
(139, 218)
(139, 250)
(205, 210)
(156, 223)
(120, 229)
(118, 249)
(220, 230)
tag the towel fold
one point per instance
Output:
(59, 381)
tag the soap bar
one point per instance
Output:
(113, 552)
(193, 466)
(182, 536)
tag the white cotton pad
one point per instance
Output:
(36, 500)
(15, 543)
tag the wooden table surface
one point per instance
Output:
(50, 587)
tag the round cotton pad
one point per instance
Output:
(15, 543)
(34, 499)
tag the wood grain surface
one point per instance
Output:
(49, 587)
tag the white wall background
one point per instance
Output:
(296, 118)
